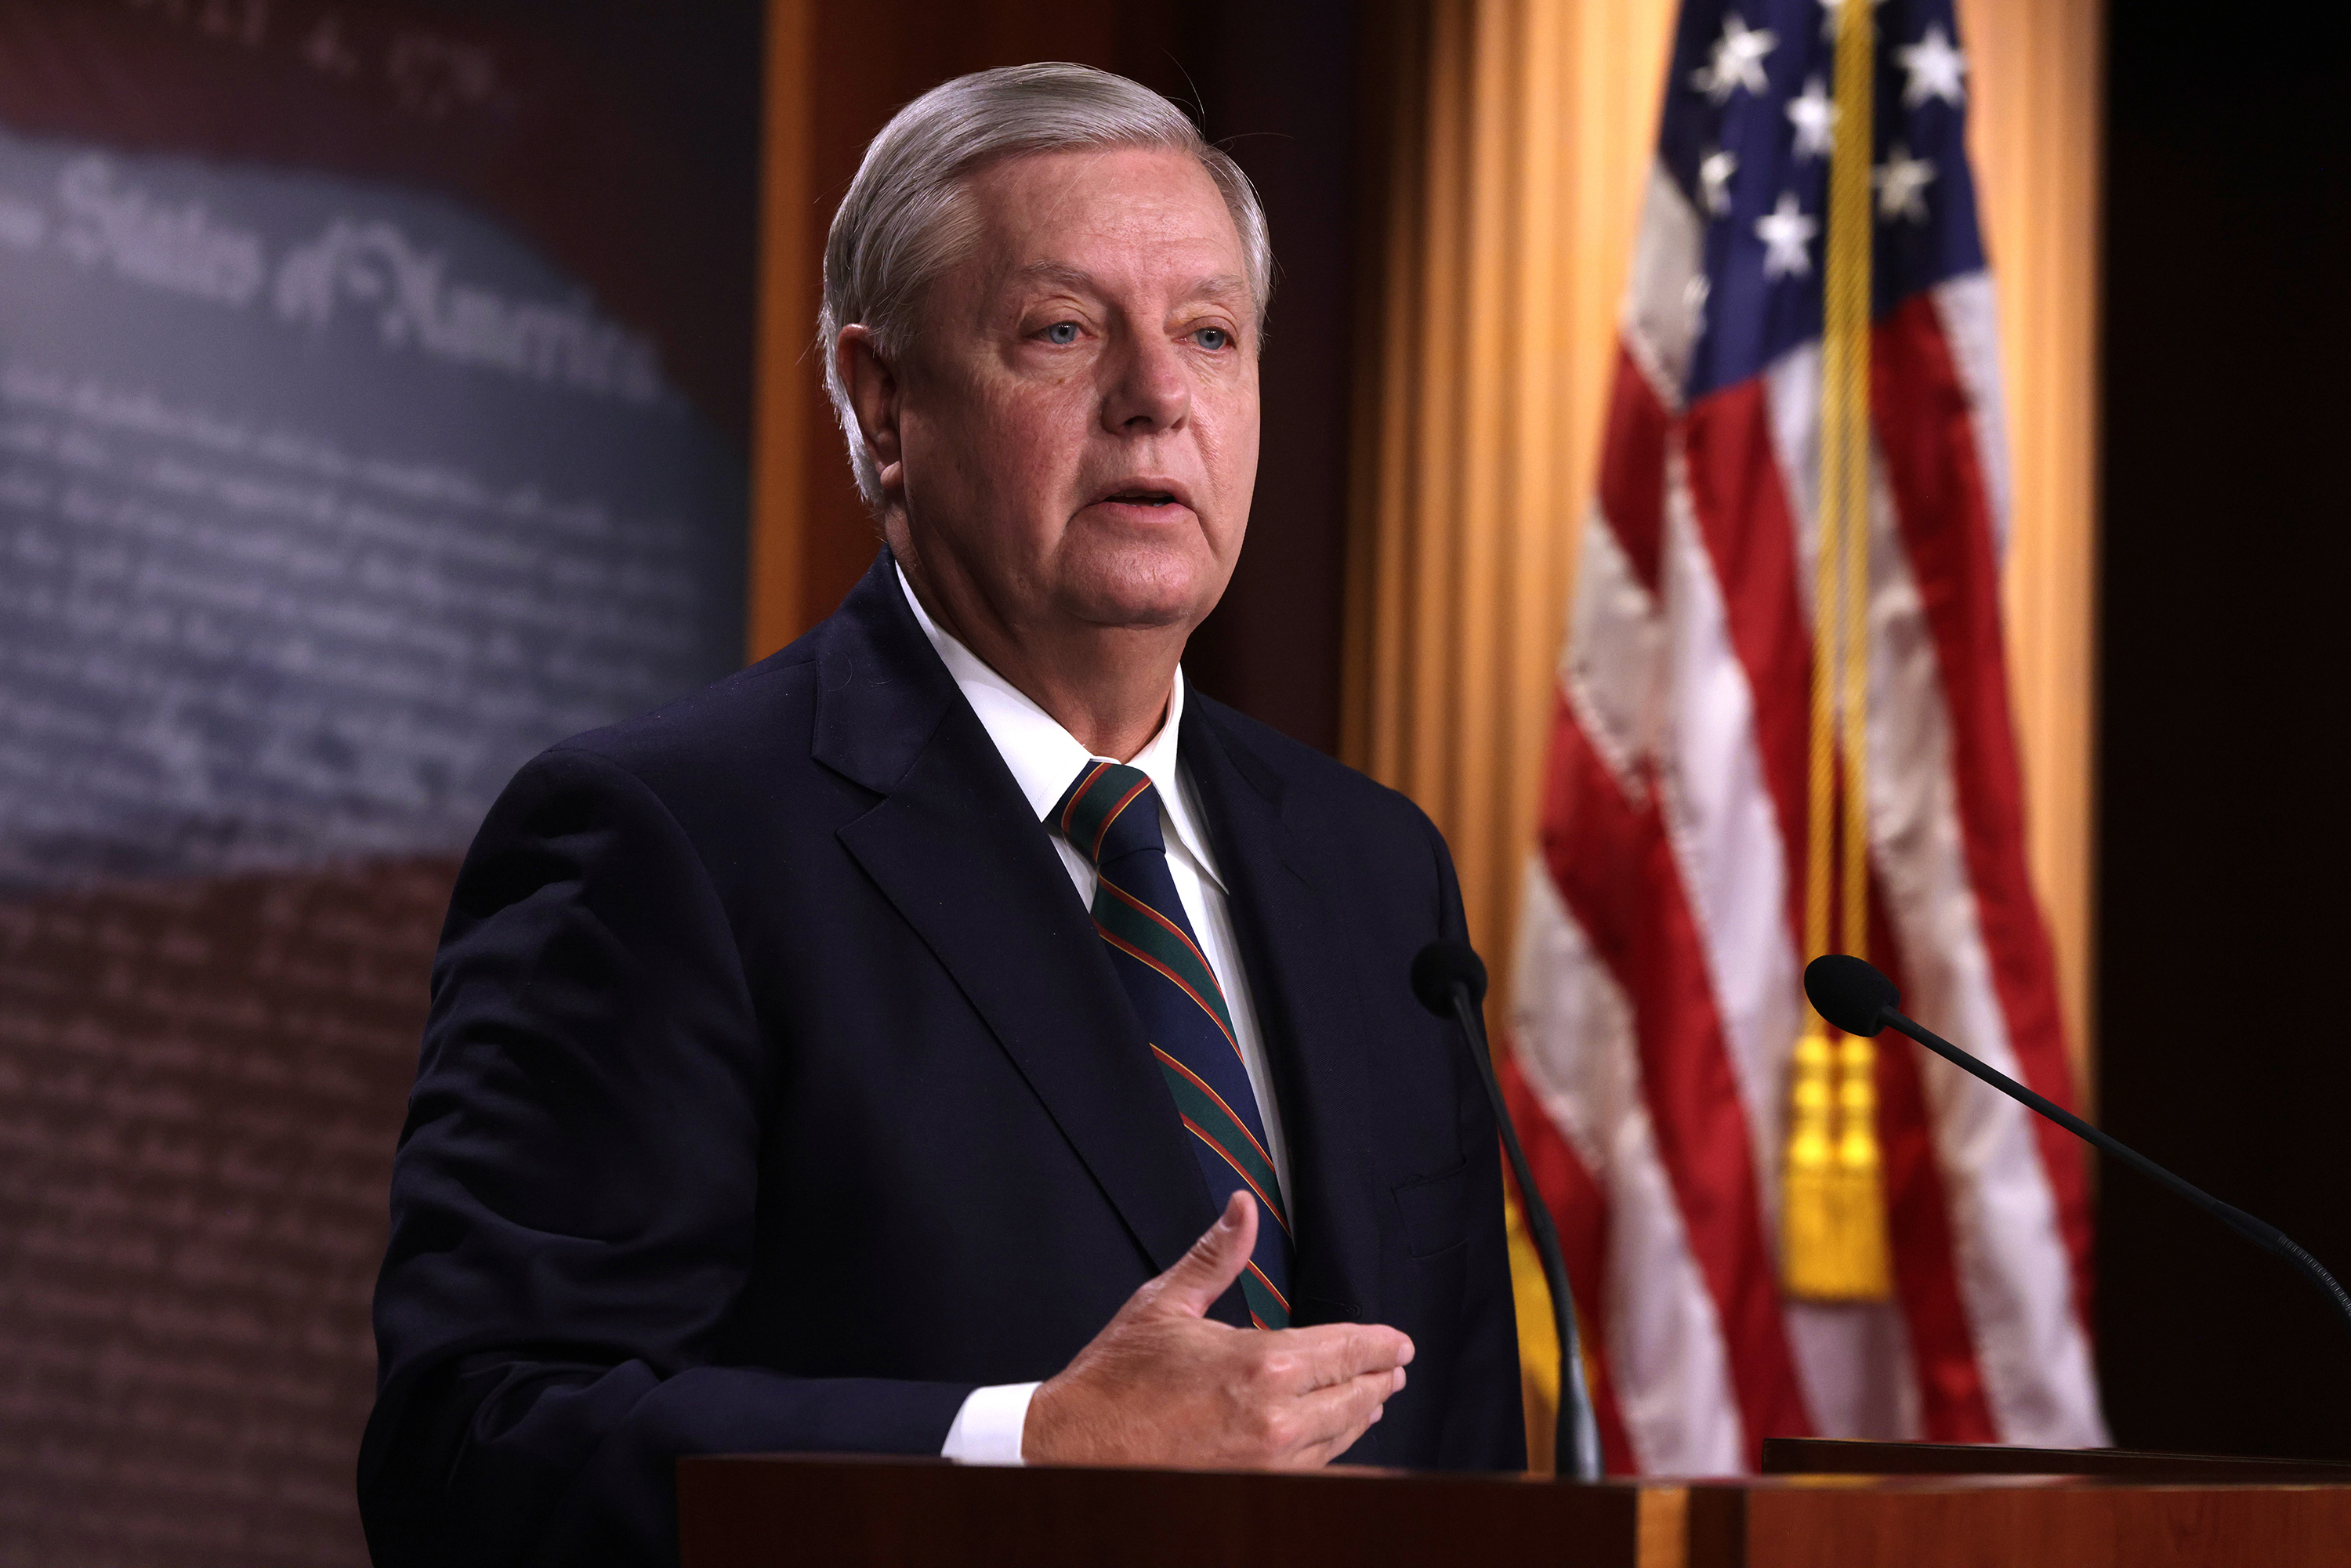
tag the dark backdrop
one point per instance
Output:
(2221, 844)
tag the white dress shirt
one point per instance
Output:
(1045, 760)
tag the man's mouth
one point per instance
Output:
(1147, 490)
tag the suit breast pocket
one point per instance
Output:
(1436, 1211)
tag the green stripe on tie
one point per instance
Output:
(1212, 1120)
(1263, 1304)
(1129, 922)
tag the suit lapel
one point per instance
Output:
(1309, 1007)
(952, 846)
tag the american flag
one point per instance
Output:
(1657, 993)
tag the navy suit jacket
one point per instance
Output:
(777, 1093)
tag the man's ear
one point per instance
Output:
(873, 396)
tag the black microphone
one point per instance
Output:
(1859, 1000)
(1450, 981)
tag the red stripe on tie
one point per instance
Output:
(1173, 930)
(1926, 431)
(1261, 1280)
(1079, 794)
(1201, 1085)
(1246, 1180)
(1615, 871)
(1258, 1321)
(1124, 801)
(1173, 978)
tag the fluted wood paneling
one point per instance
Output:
(1514, 179)
(1514, 176)
(2038, 91)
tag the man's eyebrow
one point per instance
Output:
(1215, 286)
(1058, 272)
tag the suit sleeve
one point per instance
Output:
(1485, 1429)
(573, 1205)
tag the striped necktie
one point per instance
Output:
(1111, 816)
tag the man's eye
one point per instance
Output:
(1063, 333)
(1212, 338)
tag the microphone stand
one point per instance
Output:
(1575, 1440)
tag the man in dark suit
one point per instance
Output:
(950, 1035)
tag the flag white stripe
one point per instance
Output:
(1661, 1333)
(1614, 656)
(1662, 308)
(1725, 834)
(1966, 312)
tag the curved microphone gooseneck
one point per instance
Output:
(1450, 981)
(1858, 999)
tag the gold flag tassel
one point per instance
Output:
(1833, 1210)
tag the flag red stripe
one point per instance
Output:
(1615, 870)
(1928, 436)
(1743, 512)
(1580, 1211)
(1953, 1406)
(1632, 468)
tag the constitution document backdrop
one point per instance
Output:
(370, 417)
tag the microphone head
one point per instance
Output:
(1439, 966)
(1849, 993)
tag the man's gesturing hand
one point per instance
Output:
(1164, 1385)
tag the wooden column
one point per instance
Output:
(1514, 182)
(835, 74)
(2036, 91)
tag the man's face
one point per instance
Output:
(1078, 418)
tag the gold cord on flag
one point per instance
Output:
(1833, 1208)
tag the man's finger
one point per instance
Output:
(1209, 1269)
(1332, 1353)
(1331, 1420)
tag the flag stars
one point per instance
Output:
(1937, 70)
(1902, 183)
(1787, 235)
(1738, 61)
(1814, 116)
(1714, 172)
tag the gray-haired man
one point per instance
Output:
(952, 1035)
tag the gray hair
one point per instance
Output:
(903, 221)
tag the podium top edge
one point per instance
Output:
(2059, 1474)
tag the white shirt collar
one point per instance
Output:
(1046, 758)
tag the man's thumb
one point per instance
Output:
(1214, 1263)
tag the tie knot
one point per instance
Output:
(1111, 810)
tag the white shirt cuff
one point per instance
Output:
(987, 1430)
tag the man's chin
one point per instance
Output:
(1132, 611)
(1142, 590)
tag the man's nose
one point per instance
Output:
(1150, 390)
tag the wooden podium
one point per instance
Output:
(1824, 1505)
